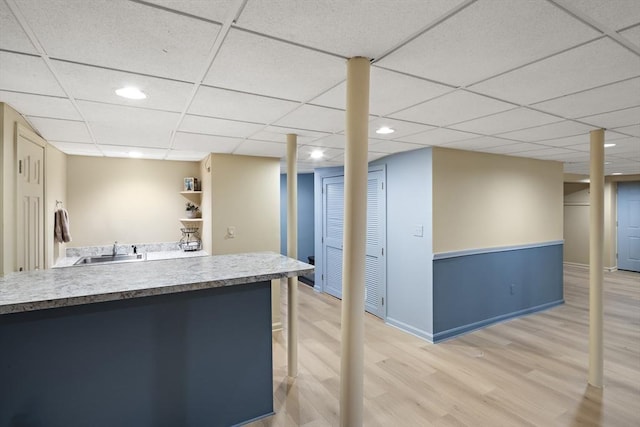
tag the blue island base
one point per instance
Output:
(198, 358)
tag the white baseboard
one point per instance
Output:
(576, 264)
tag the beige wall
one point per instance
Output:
(485, 200)
(128, 200)
(245, 194)
(55, 189)
(576, 223)
(9, 118)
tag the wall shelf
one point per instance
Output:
(191, 192)
(191, 219)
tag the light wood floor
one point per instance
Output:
(523, 372)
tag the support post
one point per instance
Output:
(292, 252)
(596, 256)
(354, 243)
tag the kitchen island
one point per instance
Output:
(160, 343)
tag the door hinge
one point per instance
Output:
(322, 277)
(382, 185)
(19, 166)
(382, 300)
(382, 251)
(322, 240)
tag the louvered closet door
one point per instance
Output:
(332, 234)
(375, 275)
(333, 225)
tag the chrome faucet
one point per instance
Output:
(115, 248)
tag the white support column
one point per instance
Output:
(354, 243)
(292, 251)
(596, 256)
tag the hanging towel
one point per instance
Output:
(61, 229)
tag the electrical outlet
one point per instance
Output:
(418, 230)
(231, 231)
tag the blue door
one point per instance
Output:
(629, 226)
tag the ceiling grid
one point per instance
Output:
(526, 78)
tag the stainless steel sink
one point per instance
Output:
(105, 259)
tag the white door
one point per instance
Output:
(629, 226)
(332, 231)
(332, 235)
(375, 265)
(30, 201)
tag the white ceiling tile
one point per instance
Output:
(99, 84)
(332, 141)
(512, 148)
(630, 130)
(189, 156)
(599, 100)
(279, 134)
(130, 126)
(220, 127)
(29, 74)
(251, 63)
(481, 143)
(75, 148)
(371, 156)
(625, 146)
(198, 142)
(351, 28)
(226, 104)
(42, 106)
(553, 153)
(487, 38)
(614, 14)
(452, 108)
(615, 119)
(390, 92)
(585, 67)
(400, 127)
(392, 146)
(304, 152)
(261, 148)
(569, 140)
(632, 34)
(12, 36)
(518, 118)
(157, 42)
(314, 118)
(437, 137)
(580, 139)
(551, 131)
(61, 130)
(214, 10)
(123, 151)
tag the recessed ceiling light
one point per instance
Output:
(131, 92)
(135, 154)
(609, 145)
(617, 173)
(384, 130)
(316, 154)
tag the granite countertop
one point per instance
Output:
(60, 287)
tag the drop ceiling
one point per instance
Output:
(527, 78)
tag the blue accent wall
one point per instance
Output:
(409, 257)
(305, 216)
(474, 290)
